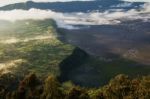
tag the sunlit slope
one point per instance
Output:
(31, 46)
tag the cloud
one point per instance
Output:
(7, 2)
(8, 66)
(126, 4)
(70, 20)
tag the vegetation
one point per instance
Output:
(120, 87)
(31, 46)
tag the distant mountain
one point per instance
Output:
(75, 6)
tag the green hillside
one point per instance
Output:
(31, 46)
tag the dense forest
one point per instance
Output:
(33, 87)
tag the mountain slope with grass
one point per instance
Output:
(35, 46)
(31, 46)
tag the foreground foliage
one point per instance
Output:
(120, 87)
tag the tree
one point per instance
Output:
(77, 93)
(52, 89)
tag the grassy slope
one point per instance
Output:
(32, 46)
(29, 45)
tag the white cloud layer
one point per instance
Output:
(68, 20)
(7, 2)
(126, 4)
